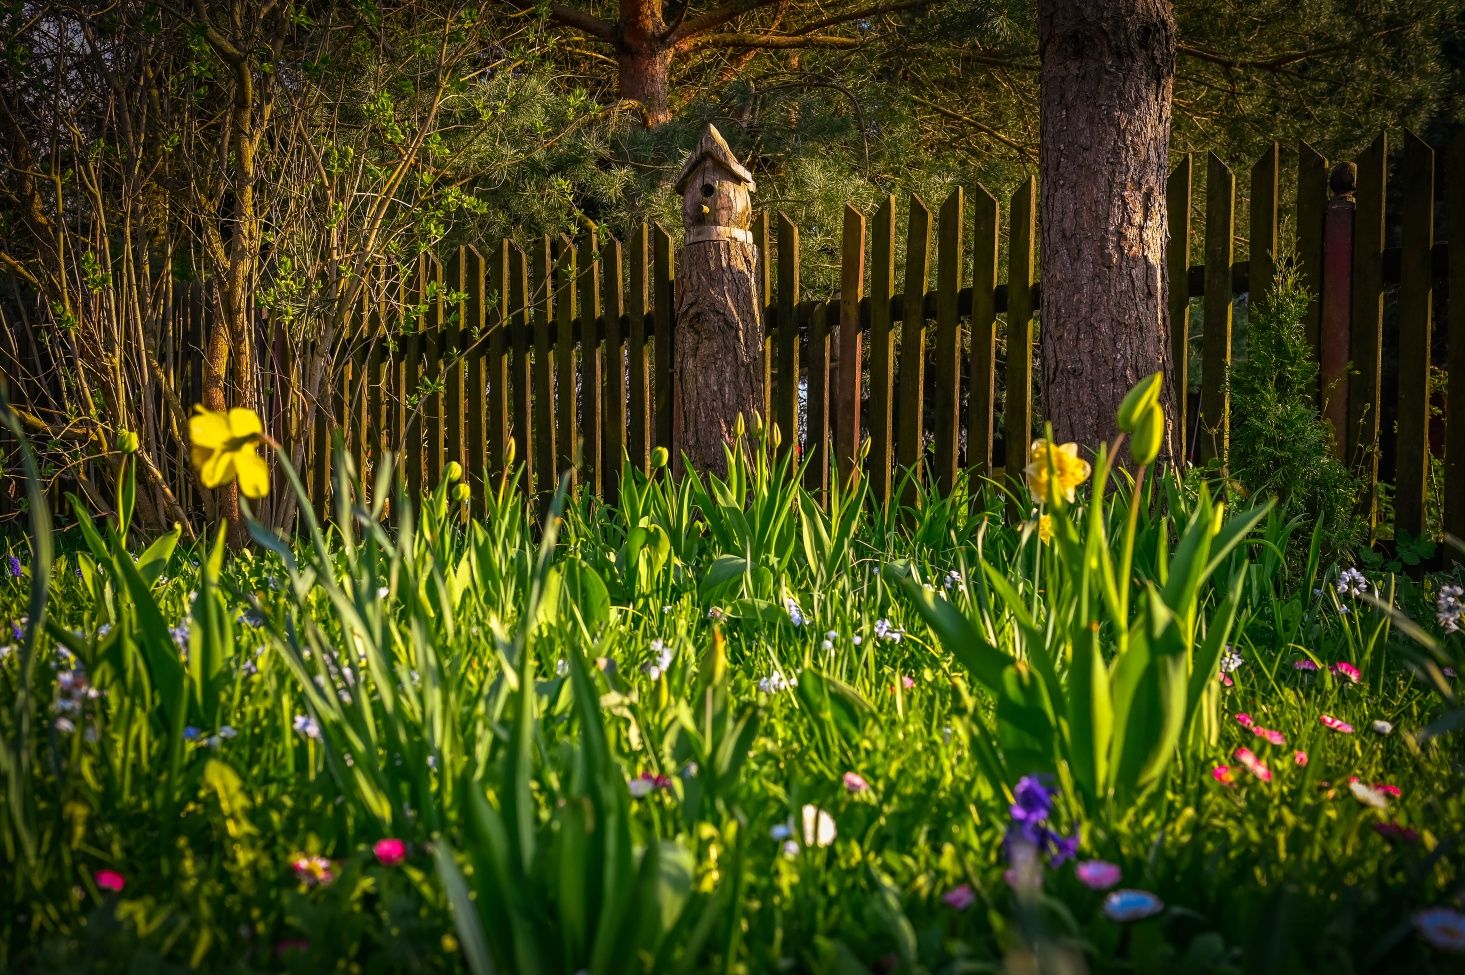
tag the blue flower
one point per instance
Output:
(1032, 802)
(15, 569)
(1132, 905)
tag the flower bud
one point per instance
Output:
(1144, 445)
(775, 435)
(127, 442)
(659, 457)
(510, 449)
(740, 427)
(756, 425)
(453, 472)
(663, 694)
(1145, 394)
(718, 670)
(462, 493)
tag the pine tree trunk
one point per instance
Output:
(717, 355)
(1108, 69)
(644, 60)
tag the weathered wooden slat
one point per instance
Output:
(663, 303)
(844, 396)
(567, 434)
(432, 369)
(590, 364)
(413, 460)
(786, 399)
(541, 284)
(521, 419)
(1367, 320)
(1454, 497)
(455, 362)
(475, 402)
(910, 442)
(816, 366)
(1416, 292)
(982, 382)
(613, 394)
(378, 390)
(947, 391)
(637, 305)
(882, 350)
(763, 242)
(497, 366)
(1335, 303)
(1177, 265)
(1263, 228)
(1312, 202)
(1017, 403)
(1213, 436)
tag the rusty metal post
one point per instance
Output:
(1336, 300)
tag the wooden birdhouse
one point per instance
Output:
(715, 190)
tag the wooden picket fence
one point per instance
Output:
(562, 352)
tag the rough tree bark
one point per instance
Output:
(718, 347)
(1108, 69)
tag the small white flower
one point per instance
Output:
(776, 682)
(953, 580)
(1352, 582)
(857, 639)
(790, 848)
(819, 828)
(65, 726)
(795, 615)
(1382, 727)
(561, 667)
(888, 631)
(383, 592)
(307, 726)
(1230, 660)
(640, 787)
(828, 646)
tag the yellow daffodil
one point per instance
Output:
(224, 448)
(1045, 529)
(1055, 470)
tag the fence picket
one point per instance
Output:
(786, 388)
(882, 349)
(1177, 265)
(663, 303)
(1312, 203)
(432, 369)
(1367, 332)
(910, 436)
(1017, 404)
(454, 361)
(475, 402)
(566, 416)
(844, 399)
(637, 305)
(763, 243)
(522, 416)
(542, 291)
(947, 391)
(613, 397)
(1454, 495)
(1416, 292)
(1213, 434)
(590, 363)
(497, 366)
(982, 382)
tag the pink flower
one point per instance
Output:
(1304, 664)
(1335, 724)
(1222, 774)
(287, 945)
(1253, 764)
(1393, 831)
(1344, 669)
(1225, 679)
(110, 880)
(1449, 672)
(855, 782)
(390, 852)
(1244, 720)
(1389, 790)
(313, 871)
(646, 783)
(1275, 737)
(907, 682)
(959, 898)
(1097, 874)
(1300, 758)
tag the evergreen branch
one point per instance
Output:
(567, 16)
(771, 41)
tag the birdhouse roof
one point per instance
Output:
(712, 146)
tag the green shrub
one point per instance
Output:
(1280, 443)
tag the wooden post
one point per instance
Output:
(1455, 345)
(1411, 480)
(1335, 299)
(844, 398)
(717, 373)
(1366, 324)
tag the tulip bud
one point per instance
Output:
(775, 435)
(127, 442)
(756, 425)
(1144, 445)
(663, 695)
(453, 472)
(718, 669)
(1145, 393)
(462, 493)
(740, 427)
(509, 451)
(659, 457)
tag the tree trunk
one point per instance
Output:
(644, 58)
(1108, 69)
(717, 355)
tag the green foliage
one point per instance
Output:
(1280, 444)
(617, 739)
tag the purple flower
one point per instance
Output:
(1031, 807)
(14, 563)
(1097, 874)
(1032, 802)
